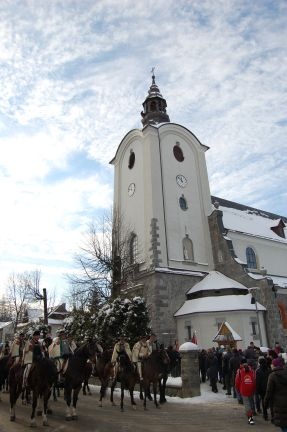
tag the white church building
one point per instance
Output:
(198, 260)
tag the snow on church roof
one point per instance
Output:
(215, 281)
(218, 304)
(255, 222)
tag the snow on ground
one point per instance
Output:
(207, 396)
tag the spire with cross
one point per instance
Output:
(154, 105)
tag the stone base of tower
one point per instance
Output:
(164, 291)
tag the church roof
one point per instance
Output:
(218, 304)
(249, 220)
(215, 281)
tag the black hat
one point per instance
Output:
(37, 333)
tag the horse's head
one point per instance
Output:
(164, 357)
(89, 350)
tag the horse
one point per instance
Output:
(154, 368)
(174, 362)
(15, 380)
(5, 364)
(88, 373)
(127, 376)
(75, 375)
(42, 376)
(104, 370)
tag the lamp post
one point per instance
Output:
(254, 301)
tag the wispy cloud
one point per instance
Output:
(73, 76)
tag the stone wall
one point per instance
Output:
(164, 292)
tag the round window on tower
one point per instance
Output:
(178, 154)
(132, 159)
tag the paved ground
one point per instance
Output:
(222, 415)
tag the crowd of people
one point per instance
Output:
(258, 380)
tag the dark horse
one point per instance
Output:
(42, 375)
(15, 380)
(75, 375)
(41, 378)
(104, 370)
(127, 376)
(88, 373)
(154, 368)
(4, 370)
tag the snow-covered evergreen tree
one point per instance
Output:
(122, 316)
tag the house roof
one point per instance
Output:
(218, 304)
(215, 280)
(5, 324)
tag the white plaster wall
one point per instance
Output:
(270, 254)
(157, 194)
(205, 326)
(192, 221)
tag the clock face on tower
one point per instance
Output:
(131, 189)
(181, 180)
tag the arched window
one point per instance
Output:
(187, 247)
(183, 203)
(251, 258)
(132, 159)
(133, 248)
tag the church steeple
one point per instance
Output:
(154, 106)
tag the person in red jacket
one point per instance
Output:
(245, 384)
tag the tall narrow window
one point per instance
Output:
(133, 248)
(251, 258)
(187, 247)
(178, 154)
(182, 203)
(132, 159)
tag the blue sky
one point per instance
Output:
(73, 77)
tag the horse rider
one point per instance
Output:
(33, 351)
(140, 352)
(120, 346)
(60, 351)
(152, 343)
(17, 348)
(46, 343)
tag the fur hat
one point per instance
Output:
(36, 333)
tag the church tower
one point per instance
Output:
(162, 192)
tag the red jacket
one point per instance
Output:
(245, 381)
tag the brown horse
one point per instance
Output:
(127, 376)
(154, 368)
(42, 375)
(104, 370)
(41, 378)
(75, 375)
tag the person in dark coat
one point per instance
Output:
(251, 354)
(262, 374)
(212, 366)
(226, 370)
(234, 365)
(276, 393)
(202, 360)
